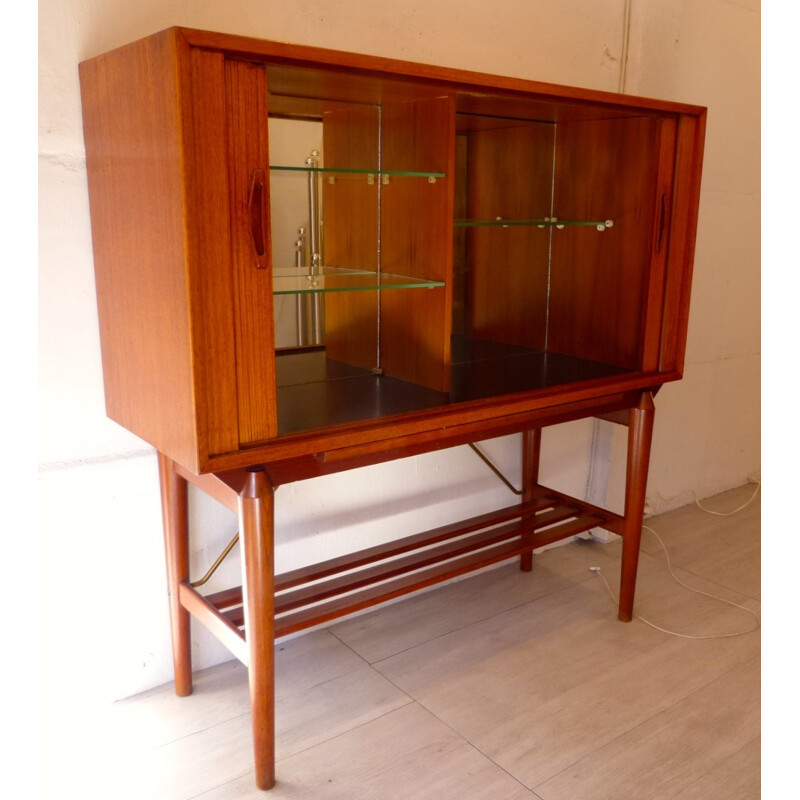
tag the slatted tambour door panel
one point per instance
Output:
(682, 233)
(351, 141)
(509, 175)
(653, 304)
(417, 239)
(135, 149)
(605, 169)
(208, 193)
(246, 99)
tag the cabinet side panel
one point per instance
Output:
(211, 284)
(417, 239)
(604, 170)
(351, 141)
(252, 276)
(509, 175)
(134, 157)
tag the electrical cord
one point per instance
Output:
(660, 500)
(597, 571)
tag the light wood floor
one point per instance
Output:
(505, 685)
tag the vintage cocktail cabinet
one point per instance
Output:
(454, 256)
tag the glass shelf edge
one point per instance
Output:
(335, 279)
(529, 223)
(356, 171)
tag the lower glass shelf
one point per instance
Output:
(296, 280)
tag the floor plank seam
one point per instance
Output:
(347, 732)
(477, 749)
(572, 581)
(248, 774)
(187, 736)
(472, 622)
(456, 733)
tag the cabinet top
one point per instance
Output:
(302, 70)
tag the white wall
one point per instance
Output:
(100, 544)
(707, 434)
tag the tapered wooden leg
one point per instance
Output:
(531, 449)
(640, 434)
(175, 515)
(256, 512)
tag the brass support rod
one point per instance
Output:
(213, 568)
(496, 471)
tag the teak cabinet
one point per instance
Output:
(453, 256)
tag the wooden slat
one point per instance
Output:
(224, 630)
(610, 521)
(246, 98)
(235, 615)
(399, 546)
(385, 570)
(209, 256)
(373, 595)
(318, 600)
(685, 204)
(226, 598)
(653, 305)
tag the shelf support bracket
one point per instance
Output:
(483, 457)
(215, 566)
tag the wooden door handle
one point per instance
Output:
(662, 221)
(257, 205)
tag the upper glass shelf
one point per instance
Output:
(296, 280)
(333, 171)
(546, 222)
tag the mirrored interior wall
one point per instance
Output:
(296, 221)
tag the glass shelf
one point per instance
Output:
(546, 222)
(352, 171)
(296, 280)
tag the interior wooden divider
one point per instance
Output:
(351, 140)
(417, 239)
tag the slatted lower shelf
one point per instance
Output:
(322, 592)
